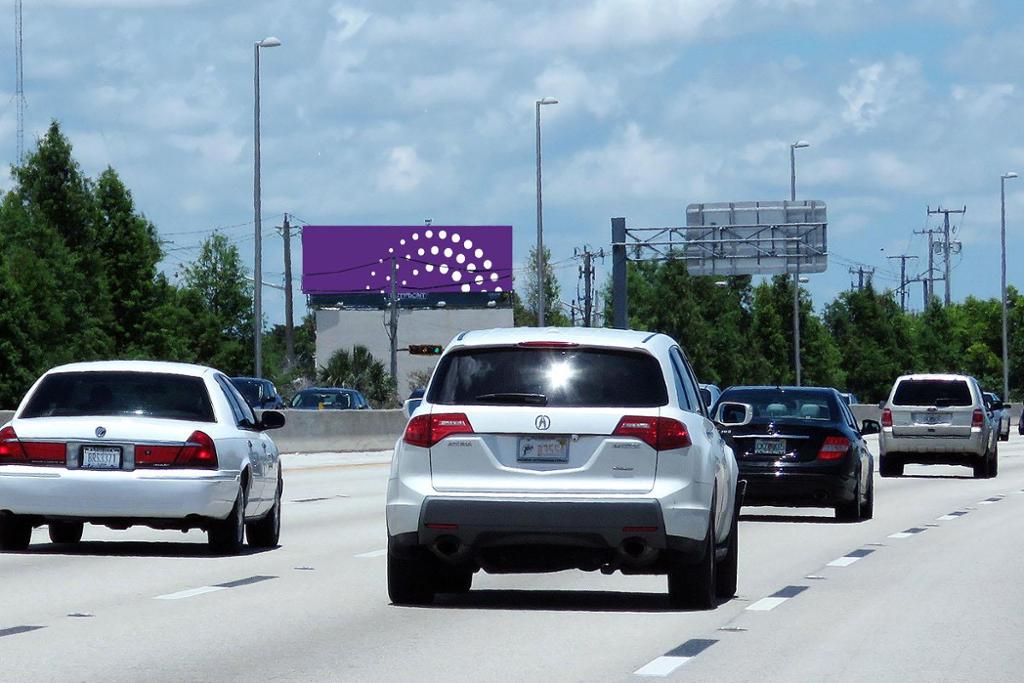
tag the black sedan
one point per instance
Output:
(801, 447)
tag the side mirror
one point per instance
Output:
(870, 427)
(271, 419)
(997, 405)
(410, 406)
(705, 395)
(881, 404)
(731, 414)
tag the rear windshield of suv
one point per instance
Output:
(577, 377)
(143, 394)
(932, 392)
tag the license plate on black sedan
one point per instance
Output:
(769, 447)
(101, 458)
(547, 449)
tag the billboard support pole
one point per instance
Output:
(289, 319)
(393, 322)
(619, 289)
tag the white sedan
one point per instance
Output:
(122, 443)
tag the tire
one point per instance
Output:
(15, 533)
(454, 580)
(265, 532)
(727, 571)
(226, 536)
(890, 466)
(981, 467)
(850, 511)
(993, 463)
(412, 579)
(66, 532)
(692, 585)
(867, 508)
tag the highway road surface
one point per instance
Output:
(931, 589)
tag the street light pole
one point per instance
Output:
(257, 299)
(799, 144)
(540, 222)
(1002, 288)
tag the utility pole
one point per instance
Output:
(393, 321)
(928, 278)
(289, 321)
(586, 273)
(903, 279)
(946, 244)
(19, 82)
(861, 272)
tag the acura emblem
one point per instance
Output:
(543, 422)
(101, 432)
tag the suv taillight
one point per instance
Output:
(660, 433)
(886, 418)
(426, 430)
(834, 448)
(978, 418)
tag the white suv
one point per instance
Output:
(539, 450)
(937, 419)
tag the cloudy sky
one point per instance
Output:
(394, 111)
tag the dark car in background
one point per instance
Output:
(1000, 413)
(260, 394)
(330, 398)
(801, 448)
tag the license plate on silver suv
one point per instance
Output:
(547, 449)
(931, 418)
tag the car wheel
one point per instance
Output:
(890, 466)
(266, 531)
(692, 585)
(981, 467)
(993, 463)
(454, 580)
(66, 532)
(849, 511)
(867, 508)
(412, 578)
(726, 573)
(226, 536)
(15, 533)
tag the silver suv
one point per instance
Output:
(539, 450)
(937, 419)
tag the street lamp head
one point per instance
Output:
(1009, 174)
(269, 41)
(547, 100)
(800, 144)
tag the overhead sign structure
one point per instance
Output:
(360, 259)
(727, 238)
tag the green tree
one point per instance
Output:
(218, 293)
(524, 311)
(358, 369)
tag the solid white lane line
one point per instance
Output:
(766, 604)
(844, 561)
(191, 592)
(374, 553)
(662, 666)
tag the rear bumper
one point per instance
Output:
(91, 495)
(798, 489)
(936, 446)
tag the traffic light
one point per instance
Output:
(425, 349)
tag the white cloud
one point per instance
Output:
(219, 147)
(984, 101)
(578, 90)
(877, 88)
(403, 172)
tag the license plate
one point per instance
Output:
(532, 449)
(770, 446)
(101, 458)
(931, 418)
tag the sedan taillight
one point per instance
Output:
(14, 451)
(834, 448)
(199, 452)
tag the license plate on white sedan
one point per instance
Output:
(548, 449)
(96, 458)
(769, 446)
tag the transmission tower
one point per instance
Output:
(19, 88)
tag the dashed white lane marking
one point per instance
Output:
(946, 518)
(766, 604)
(844, 561)
(374, 553)
(673, 659)
(907, 533)
(191, 592)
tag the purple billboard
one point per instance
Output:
(433, 258)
